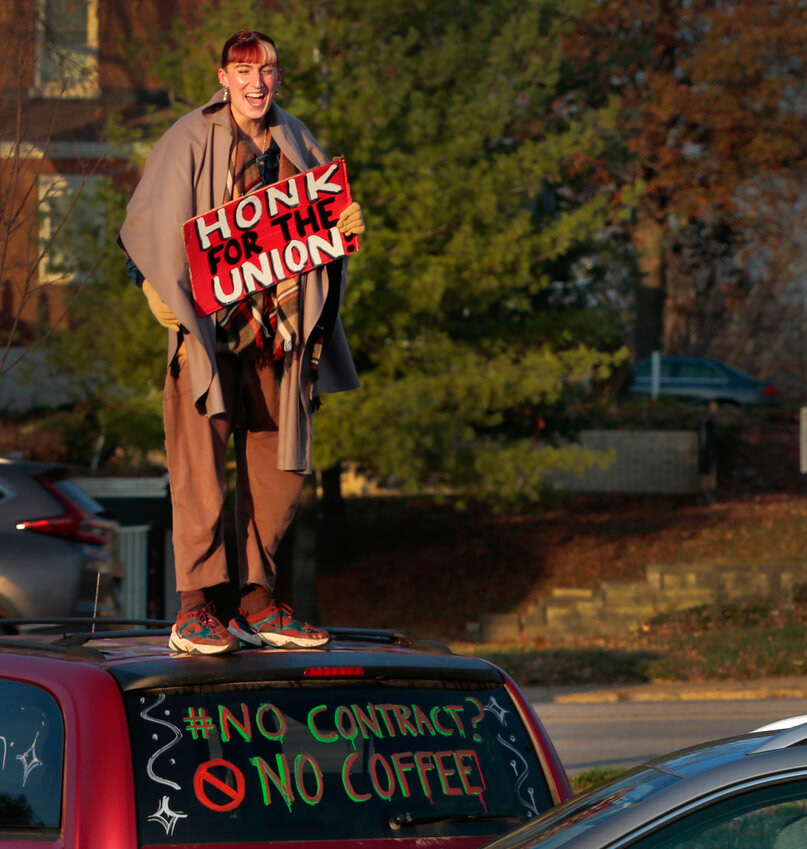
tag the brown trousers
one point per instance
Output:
(266, 497)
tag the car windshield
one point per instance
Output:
(254, 763)
(580, 815)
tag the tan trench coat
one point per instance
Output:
(184, 177)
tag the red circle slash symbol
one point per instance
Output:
(204, 776)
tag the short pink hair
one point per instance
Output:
(248, 46)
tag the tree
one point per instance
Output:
(710, 93)
(481, 206)
(32, 301)
(112, 353)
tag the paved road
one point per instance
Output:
(624, 733)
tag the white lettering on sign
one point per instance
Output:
(220, 225)
(253, 202)
(314, 185)
(289, 199)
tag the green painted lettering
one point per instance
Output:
(384, 711)
(227, 718)
(347, 782)
(367, 721)
(300, 762)
(401, 768)
(441, 729)
(402, 714)
(422, 721)
(384, 792)
(424, 764)
(454, 712)
(279, 721)
(444, 772)
(281, 779)
(346, 724)
(332, 737)
(465, 770)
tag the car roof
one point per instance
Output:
(31, 467)
(682, 358)
(140, 658)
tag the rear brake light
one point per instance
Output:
(73, 524)
(770, 391)
(334, 672)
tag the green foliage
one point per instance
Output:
(589, 778)
(113, 351)
(476, 200)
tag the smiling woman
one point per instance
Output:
(250, 369)
(250, 75)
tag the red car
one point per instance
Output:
(108, 740)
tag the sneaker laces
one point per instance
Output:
(286, 617)
(207, 615)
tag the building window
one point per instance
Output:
(68, 219)
(67, 49)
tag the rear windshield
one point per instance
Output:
(287, 763)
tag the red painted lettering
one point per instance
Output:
(281, 779)
(278, 719)
(401, 768)
(424, 764)
(347, 781)
(454, 712)
(444, 772)
(421, 720)
(300, 762)
(367, 720)
(377, 761)
(385, 710)
(441, 729)
(402, 714)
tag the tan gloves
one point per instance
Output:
(166, 319)
(159, 308)
(351, 220)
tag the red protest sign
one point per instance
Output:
(277, 232)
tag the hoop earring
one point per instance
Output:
(226, 95)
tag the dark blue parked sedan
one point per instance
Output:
(701, 380)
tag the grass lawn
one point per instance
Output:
(730, 642)
(420, 565)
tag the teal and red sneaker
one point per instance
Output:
(199, 632)
(276, 626)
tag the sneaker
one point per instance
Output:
(276, 626)
(199, 632)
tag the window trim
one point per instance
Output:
(86, 89)
(747, 786)
(52, 186)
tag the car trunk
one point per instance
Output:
(318, 747)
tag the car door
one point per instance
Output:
(696, 381)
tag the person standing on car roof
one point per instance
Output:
(252, 371)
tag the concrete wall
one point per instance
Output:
(645, 461)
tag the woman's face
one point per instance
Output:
(252, 87)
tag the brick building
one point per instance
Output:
(66, 66)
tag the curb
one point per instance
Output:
(665, 691)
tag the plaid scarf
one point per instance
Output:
(266, 324)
